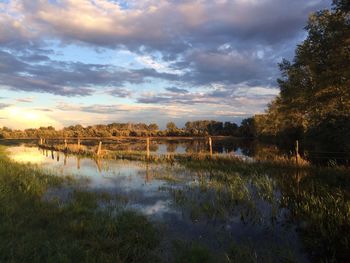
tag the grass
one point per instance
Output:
(192, 253)
(247, 252)
(33, 229)
(323, 221)
(140, 155)
(243, 252)
(316, 200)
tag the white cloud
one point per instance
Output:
(160, 66)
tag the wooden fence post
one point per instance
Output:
(147, 148)
(78, 144)
(99, 148)
(99, 164)
(65, 144)
(210, 147)
(41, 141)
(148, 174)
(296, 151)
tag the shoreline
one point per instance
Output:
(113, 138)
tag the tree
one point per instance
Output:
(248, 128)
(315, 85)
(153, 127)
(230, 129)
(171, 128)
(342, 5)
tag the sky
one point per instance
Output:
(67, 62)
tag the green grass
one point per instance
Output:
(243, 252)
(247, 252)
(317, 198)
(192, 253)
(35, 230)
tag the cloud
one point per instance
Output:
(25, 100)
(176, 90)
(228, 67)
(96, 108)
(43, 109)
(69, 78)
(207, 41)
(216, 95)
(224, 53)
(106, 23)
(119, 92)
(4, 105)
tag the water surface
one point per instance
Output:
(183, 202)
(280, 214)
(244, 148)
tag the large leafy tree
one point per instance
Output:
(315, 86)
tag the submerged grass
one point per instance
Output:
(316, 198)
(33, 229)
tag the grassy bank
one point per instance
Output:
(34, 229)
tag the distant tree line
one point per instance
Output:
(191, 128)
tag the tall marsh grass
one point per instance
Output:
(33, 229)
